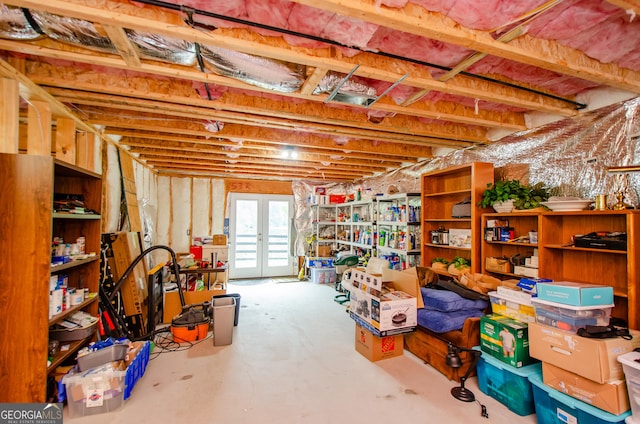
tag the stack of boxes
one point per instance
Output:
(505, 366)
(382, 313)
(581, 376)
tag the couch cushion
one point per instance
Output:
(442, 322)
(448, 301)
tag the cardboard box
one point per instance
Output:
(376, 348)
(497, 264)
(211, 253)
(526, 271)
(611, 397)
(172, 305)
(391, 309)
(365, 281)
(220, 239)
(576, 294)
(385, 312)
(594, 359)
(460, 237)
(406, 281)
(505, 339)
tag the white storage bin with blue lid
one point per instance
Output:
(553, 406)
(508, 385)
(631, 366)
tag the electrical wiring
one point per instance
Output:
(164, 343)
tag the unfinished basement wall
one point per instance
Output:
(571, 155)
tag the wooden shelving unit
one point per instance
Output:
(26, 208)
(441, 190)
(559, 260)
(399, 214)
(522, 223)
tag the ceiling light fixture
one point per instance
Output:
(289, 153)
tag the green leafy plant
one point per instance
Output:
(532, 197)
(440, 260)
(502, 191)
(524, 196)
(460, 262)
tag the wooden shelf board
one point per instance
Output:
(446, 246)
(62, 355)
(512, 243)
(447, 220)
(89, 216)
(59, 317)
(74, 263)
(448, 193)
(583, 249)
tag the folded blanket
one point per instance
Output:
(442, 322)
(448, 301)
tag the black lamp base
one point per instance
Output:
(463, 394)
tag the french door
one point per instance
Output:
(260, 233)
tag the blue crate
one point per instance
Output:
(508, 385)
(553, 406)
(136, 369)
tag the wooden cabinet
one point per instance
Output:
(398, 228)
(560, 260)
(441, 190)
(28, 227)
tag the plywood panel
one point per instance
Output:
(25, 216)
(39, 129)
(65, 136)
(131, 198)
(9, 108)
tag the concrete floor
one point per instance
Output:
(292, 360)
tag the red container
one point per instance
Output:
(196, 251)
(337, 198)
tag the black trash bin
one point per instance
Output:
(236, 296)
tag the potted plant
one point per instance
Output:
(532, 198)
(439, 264)
(505, 196)
(459, 266)
(502, 194)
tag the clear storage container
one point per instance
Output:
(570, 318)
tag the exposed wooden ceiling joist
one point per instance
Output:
(153, 107)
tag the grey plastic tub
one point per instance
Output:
(115, 352)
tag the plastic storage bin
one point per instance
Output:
(631, 367)
(236, 296)
(555, 407)
(508, 385)
(521, 311)
(137, 368)
(570, 318)
(324, 275)
(96, 391)
(223, 317)
(96, 358)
